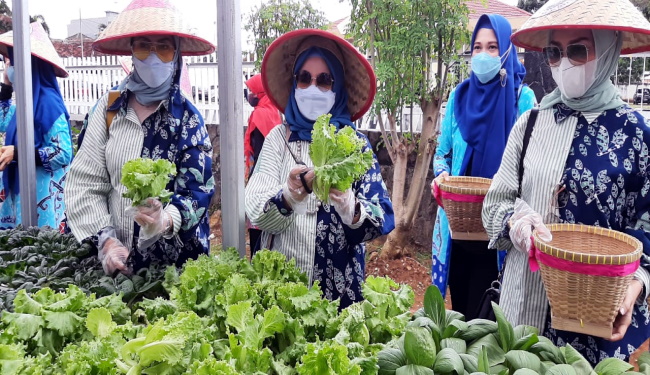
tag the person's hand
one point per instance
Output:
(524, 221)
(443, 176)
(624, 317)
(6, 156)
(112, 253)
(5, 78)
(344, 203)
(295, 191)
(152, 220)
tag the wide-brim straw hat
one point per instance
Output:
(41, 47)
(280, 57)
(146, 18)
(619, 15)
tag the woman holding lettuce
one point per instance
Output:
(303, 75)
(146, 116)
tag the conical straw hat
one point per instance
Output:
(149, 17)
(280, 57)
(620, 15)
(41, 47)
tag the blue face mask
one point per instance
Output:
(485, 66)
(11, 73)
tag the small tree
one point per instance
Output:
(276, 17)
(530, 5)
(413, 46)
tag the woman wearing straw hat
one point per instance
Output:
(307, 73)
(480, 113)
(147, 116)
(52, 137)
(587, 162)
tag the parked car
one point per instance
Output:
(646, 95)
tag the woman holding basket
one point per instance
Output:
(480, 113)
(587, 163)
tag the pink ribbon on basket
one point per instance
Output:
(535, 256)
(440, 194)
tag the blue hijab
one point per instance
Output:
(486, 112)
(48, 107)
(340, 113)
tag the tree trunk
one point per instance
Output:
(399, 241)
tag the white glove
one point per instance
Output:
(294, 191)
(112, 253)
(524, 220)
(344, 203)
(153, 221)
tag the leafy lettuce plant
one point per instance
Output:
(145, 178)
(339, 157)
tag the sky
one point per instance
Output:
(58, 14)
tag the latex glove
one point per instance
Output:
(112, 253)
(344, 203)
(294, 192)
(524, 221)
(624, 317)
(153, 221)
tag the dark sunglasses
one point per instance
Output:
(577, 54)
(324, 81)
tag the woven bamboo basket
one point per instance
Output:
(465, 217)
(586, 303)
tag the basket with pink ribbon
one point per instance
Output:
(586, 271)
(462, 199)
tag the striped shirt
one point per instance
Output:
(324, 248)
(94, 190)
(523, 297)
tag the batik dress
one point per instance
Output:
(328, 251)
(606, 184)
(175, 132)
(55, 156)
(449, 157)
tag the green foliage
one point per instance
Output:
(146, 178)
(531, 6)
(405, 39)
(273, 18)
(340, 157)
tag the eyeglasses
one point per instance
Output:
(141, 50)
(577, 54)
(324, 81)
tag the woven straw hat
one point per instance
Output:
(149, 17)
(620, 15)
(41, 47)
(280, 57)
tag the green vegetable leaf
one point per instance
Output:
(414, 370)
(448, 362)
(339, 157)
(561, 370)
(459, 345)
(99, 322)
(389, 360)
(434, 306)
(483, 363)
(612, 366)
(495, 354)
(240, 315)
(65, 323)
(419, 346)
(575, 359)
(525, 371)
(145, 178)
(477, 328)
(505, 330)
(23, 326)
(519, 359)
(469, 362)
(168, 351)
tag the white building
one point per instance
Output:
(90, 27)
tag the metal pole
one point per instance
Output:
(629, 82)
(24, 112)
(643, 84)
(81, 35)
(231, 124)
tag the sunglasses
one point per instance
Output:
(141, 50)
(577, 54)
(324, 81)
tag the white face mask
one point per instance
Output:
(312, 102)
(152, 70)
(574, 81)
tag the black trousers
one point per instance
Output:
(473, 268)
(254, 238)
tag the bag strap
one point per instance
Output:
(532, 118)
(110, 115)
